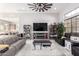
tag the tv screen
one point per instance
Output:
(39, 26)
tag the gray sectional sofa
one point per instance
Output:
(15, 44)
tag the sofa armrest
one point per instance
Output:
(10, 52)
(75, 44)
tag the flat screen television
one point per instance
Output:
(39, 26)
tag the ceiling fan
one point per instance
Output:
(41, 7)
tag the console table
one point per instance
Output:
(42, 43)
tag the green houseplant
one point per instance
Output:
(60, 32)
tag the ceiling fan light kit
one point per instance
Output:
(41, 7)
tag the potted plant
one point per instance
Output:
(60, 32)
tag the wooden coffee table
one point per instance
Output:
(41, 42)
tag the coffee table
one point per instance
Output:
(42, 42)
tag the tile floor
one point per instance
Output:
(55, 50)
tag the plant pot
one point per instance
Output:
(60, 41)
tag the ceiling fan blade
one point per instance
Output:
(36, 9)
(42, 9)
(45, 3)
(31, 4)
(47, 7)
(31, 7)
(39, 10)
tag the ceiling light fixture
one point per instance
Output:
(41, 7)
(55, 8)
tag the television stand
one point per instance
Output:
(40, 35)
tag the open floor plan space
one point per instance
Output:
(39, 29)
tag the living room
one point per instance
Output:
(39, 29)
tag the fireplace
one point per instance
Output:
(40, 35)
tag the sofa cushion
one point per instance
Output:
(10, 40)
(75, 51)
(1, 42)
(7, 41)
(76, 48)
(15, 38)
(0, 54)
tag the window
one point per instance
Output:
(67, 24)
(1, 27)
(72, 25)
(78, 24)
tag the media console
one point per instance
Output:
(40, 35)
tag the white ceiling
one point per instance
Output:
(24, 8)
(11, 11)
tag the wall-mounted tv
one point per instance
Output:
(40, 26)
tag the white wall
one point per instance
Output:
(71, 7)
(29, 18)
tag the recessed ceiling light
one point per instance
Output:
(23, 8)
(55, 8)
